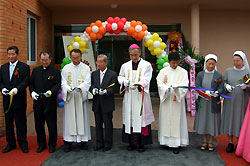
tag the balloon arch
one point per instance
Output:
(135, 29)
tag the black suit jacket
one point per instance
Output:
(43, 80)
(106, 102)
(215, 86)
(19, 81)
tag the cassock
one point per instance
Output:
(76, 126)
(173, 131)
(133, 121)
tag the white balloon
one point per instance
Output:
(146, 38)
(76, 45)
(114, 26)
(157, 44)
(95, 29)
(138, 28)
(166, 64)
(163, 55)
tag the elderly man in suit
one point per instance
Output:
(14, 79)
(45, 83)
(103, 82)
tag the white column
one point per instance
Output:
(195, 26)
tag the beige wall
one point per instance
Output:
(222, 33)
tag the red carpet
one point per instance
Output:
(16, 157)
(230, 158)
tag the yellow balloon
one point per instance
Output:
(162, 46)
(82, 44)
(145, 44)
(155, 36)
(152, 53)
(151, 48)
(83, 50)
(71, 43)
(159, 39)
(87, 45)
(70, 48)
(157, 51)
(77, 39)
(150, 42)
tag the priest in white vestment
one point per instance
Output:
(173, 131)
(76, 81)
(134, 78)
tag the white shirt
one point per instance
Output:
(102, 73)
(12, 67)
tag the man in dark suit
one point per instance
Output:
(14, 79)
(103, 82)
(45, 83)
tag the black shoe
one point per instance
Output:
(98, 148)
(25, 149)
(8, 149)
(40, 149)
(107, 149)
(141, 148)
(176, 150)
(131, 147)
(52, 149)
(230, 148)
(67, 146)
(83, 145)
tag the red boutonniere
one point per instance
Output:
(218, 81)
(16, 73)
(50, 77)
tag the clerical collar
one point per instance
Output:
(243, 68)
(135, 64)
(14, 63)
(209, 71)
(104, 71)
(44, 68)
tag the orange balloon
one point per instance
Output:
(98, 23)
(98, 36)
(92, 24)
(138, 22)
(134, 35)
(102, 30)
(88, 30)
(92, 36)
(133, 23)
(138, 39)
(144, 27)
(141, 34)
(130, 31)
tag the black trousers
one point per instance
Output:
(50, 117)
(105, 118)
(19, 116)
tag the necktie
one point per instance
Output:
(11, 70)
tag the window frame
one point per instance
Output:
(29, 50)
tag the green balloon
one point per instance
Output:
(62, 65)
(159, 67)
(66, 61)
(166, 58)
(160, 61)
(60, 70)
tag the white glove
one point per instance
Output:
(243, 86)
(95, 91)
(34, 95)
(69, 89)
(126, 83)
(215, 94)
(14, 90)
(170, 90)
(208, 92)
(132, 87)
(102, 92)
(174, 87)
(48, 93)
(229, 87)
(5, 91)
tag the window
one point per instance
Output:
(31, 39)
